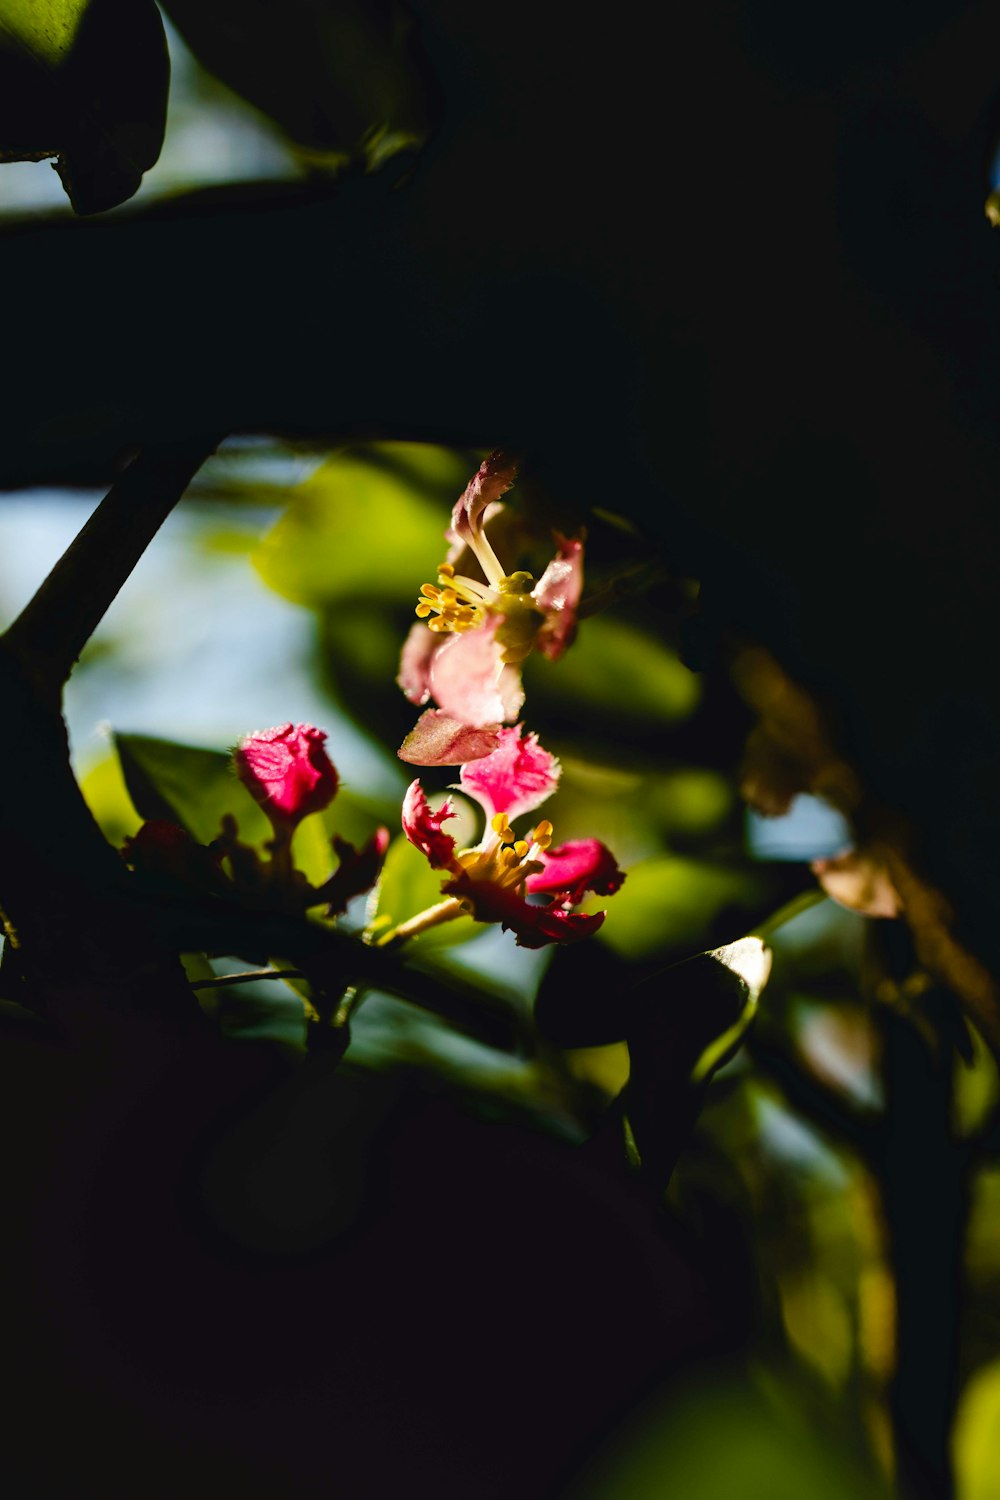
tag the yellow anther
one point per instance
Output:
(430, 590)
(543, 831)
(437, 624)
(448, 596)
(510, 857)
(446, 570)
(500, 823)
(423, 610)
(520, 848)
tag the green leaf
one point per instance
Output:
(409, 886)
(105, 793)
(617, 669)
(669, 902)
(340, 77)
(85, 81)
(361, 528)
(189, 786)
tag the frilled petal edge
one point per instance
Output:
(422, 827)
(515, 778)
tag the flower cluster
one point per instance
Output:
(522, 883)
(465, 652)
(466, 655)
(475, 632)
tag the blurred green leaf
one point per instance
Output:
(86, 81)
(976, 1440)
(360, 528)
(615, 668)
(977, 1086)
(670, 902)
(722, 1442)
(408, 886)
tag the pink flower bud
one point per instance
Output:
(287, 771)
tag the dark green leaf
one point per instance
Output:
(341, 77)
(85, 81)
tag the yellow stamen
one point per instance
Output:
(500, 823)
(456, 606)
(521, 848)
(543, 831)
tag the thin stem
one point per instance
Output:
(444, 911)
(794, 908)
(53, 628)
(246, 977)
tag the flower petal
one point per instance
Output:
(415, 662)
(515, 778)
(533, 926)
(439, 740)
(422, 827)
(557, 593)
(576, 867)
(287, 771)
(492, 479)
(470, 681)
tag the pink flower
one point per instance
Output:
(494, 880)
(491, 624)
(288, 772)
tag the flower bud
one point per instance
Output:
(287, 771)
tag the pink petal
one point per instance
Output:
(557, 593)
(515, 778)
(415, 662)
(357, 871)
(550, 924)
(859, 881)
(470, 681)
(492, 479)
(438, 740)
(534, 926)
(287, 771)
(577, 867)
(423, 827)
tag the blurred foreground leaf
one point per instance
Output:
(85, 81)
